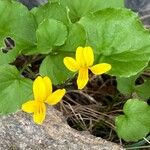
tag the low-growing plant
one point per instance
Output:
(52, 32)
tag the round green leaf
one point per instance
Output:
(50, 33)
(129, 129)
(76, 37)
(14, 89)
(135, 124)
(51, 10)
(80, 8)
(126, 85)
(19, 24)
(53, 67)
(118, 38)
(10, 56)
(143, 90)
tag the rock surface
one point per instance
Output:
(18, 132)
(142, 7)
(32, 3)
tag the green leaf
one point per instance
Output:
(18, 23)
(135, 124)
(51, 10)
(76, 37)
(130, 129)
(53, 67)
(8, 57)
(118, 38)
(147, 69)
(101, 4)
(50, 33)
(143, 90)
(78, 8)
(126, 85)
(14, 89)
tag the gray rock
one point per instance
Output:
(18, 132)
(142, 7)
(136, 5)
(32, 3)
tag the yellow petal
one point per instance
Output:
(82, 78)
(29, 106)
(39, 89)
(39, 114)
(71, 64)
(80, 56)
(48, 85)
(56, 96)
(88, 56)
(100, 68)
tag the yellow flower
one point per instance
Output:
(84, 62)
(42, 90)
